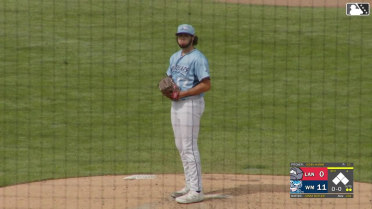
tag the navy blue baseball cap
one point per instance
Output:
(185, 29)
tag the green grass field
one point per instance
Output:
(79, 97)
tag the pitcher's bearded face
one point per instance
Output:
(184, 40)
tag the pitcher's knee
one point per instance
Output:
(179, 145)
(191, 156)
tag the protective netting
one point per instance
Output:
(290, 82)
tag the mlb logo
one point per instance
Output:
(357, 9)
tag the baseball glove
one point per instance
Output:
(169, 89)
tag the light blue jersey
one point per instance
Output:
(187, 71)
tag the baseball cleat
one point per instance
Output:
(191, 197)
(180, 193)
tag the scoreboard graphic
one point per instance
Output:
(321, 180)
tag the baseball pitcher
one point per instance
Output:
(188, 79)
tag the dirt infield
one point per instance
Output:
(297, 3)
(221, 191)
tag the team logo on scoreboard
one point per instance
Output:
(296, 186)
(296, 173)
(357, 9)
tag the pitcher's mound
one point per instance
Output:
(153, 191)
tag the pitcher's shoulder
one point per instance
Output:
(200, 54)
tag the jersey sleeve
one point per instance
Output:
(169, 72)
(202, 68)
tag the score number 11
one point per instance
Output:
(321, 187)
